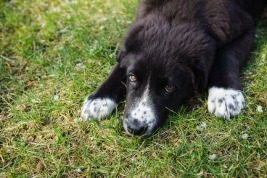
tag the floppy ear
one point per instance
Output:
(200, 78)
(121, 54)
(131, 42)
(195, 81)
(121, 58)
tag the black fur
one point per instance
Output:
(191, 45)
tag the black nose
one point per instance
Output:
(137, 130)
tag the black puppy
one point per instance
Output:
(173, 48)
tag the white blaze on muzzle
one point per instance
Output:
(141, 115)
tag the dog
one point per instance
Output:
(173, 48)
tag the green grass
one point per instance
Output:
(54, 53)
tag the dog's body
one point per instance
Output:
(173, 48)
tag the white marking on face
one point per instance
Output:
(142, 110)
(225, 102)
(97, 108)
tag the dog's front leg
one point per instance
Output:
(225, 97)
(104, 100)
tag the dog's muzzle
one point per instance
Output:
(135, 127)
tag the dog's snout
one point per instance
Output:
(134, 127)
(137, 130)
(140, 119)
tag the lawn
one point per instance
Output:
(54, 53)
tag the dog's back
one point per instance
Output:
(222, 19)
(253, 7)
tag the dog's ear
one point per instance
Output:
(194, 79)
(200, 79)
(195, 82)
(121, 58)
(131, 42)
(121, 54)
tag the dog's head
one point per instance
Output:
(163, 65)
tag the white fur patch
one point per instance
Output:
(143, 111)
(225, 102)
(97, 109)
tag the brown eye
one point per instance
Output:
(169, 88)
(132, 78)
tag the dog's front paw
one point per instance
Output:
(225, 102)
(97, 108)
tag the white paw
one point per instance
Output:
(225, 102)
(97, 108)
